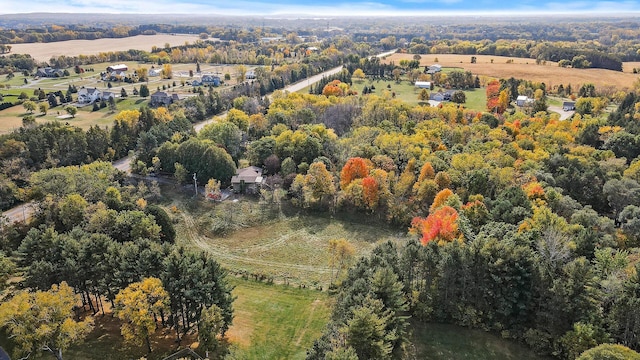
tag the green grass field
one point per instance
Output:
(451, 342)
(407, 92)
(276, 322)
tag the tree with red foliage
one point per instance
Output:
(355, 168)
(441, 226)
(493, 96)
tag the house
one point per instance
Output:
(106, 95)
(247, 180)
(250, 75)
(161, 98)
(118, 68)
(49, 72)
(568, 106)
(210, 80)
(423, 84)
(88, 96)
(441, 96)
(523, 100)
(154, 72)
(433, 69)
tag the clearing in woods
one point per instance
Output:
(523, 68)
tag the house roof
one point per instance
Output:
(522, 97)
(119, 67)
(160, 94)
(88, 91)
(251, 174)
(568, 103)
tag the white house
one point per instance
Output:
(423, 84)
(155, 72)
(523, 100)
(88, 96)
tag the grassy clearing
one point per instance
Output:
(276, 322)
(442, 341)
(407, 92)
(286, 245)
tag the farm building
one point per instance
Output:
(118, 68)
(423, 84)
(433, 69)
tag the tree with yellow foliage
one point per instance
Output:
(138, 306)
(43, 321)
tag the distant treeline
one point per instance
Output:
(53, 33)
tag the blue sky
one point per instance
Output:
(322, 8)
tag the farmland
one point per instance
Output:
(521, 68)
(44, 51)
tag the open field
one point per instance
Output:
(276, 322)
(445, 342)
(287, 246)
(521, 68)
(44, 51)
(407, 92)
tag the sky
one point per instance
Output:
(323, 8)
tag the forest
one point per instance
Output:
(521, 224)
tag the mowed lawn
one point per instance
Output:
(409, 93)
(276, 322)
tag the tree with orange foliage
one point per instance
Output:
(355, 168)
(441, 226)
(440, 199)
(493, 94)
(333, 89)
(370, 192)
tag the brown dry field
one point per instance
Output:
(44, 51)
(521, 68)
